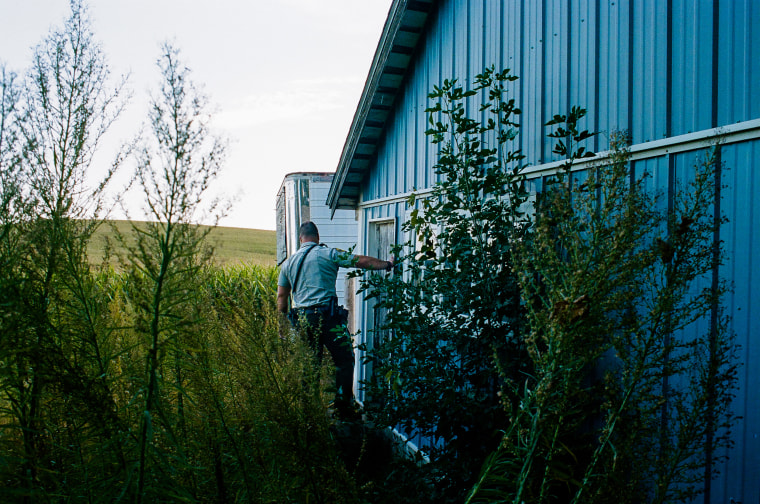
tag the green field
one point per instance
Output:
(231, 245)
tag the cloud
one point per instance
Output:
(304, 100)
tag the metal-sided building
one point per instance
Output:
(675, 74)
(301, 198)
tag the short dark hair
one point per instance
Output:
(308, 229)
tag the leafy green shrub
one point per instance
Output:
(630, 393)
(562, 332)
(455, 309)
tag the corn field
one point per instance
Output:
(237, 415)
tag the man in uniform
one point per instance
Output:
(309, 276)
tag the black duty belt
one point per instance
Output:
(330, 307)
(313, 309)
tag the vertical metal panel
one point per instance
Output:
(583, 60)
(531, 73)
(492, 32)
(738, 61)
(475, 31)
(462, 37)
(388, 174)
(388, 164)
(650, 69)
(396, 149)
(417, 160)
(511, 41)
(741, 237)
(481, 49)
(432, 58)
(447, 47)
(409, 126)
(370, 183)
(514, 28)
(613, 112)
(692, 58)
(406, 125)
(371, 190)
(446, 33)
(556, 47)
(415, 117)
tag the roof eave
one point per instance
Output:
(401, 33)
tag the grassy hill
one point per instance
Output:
(231, 245)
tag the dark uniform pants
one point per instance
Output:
(325, 330)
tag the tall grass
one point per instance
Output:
(140, 371)
(240, 415)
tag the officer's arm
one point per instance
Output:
(282, 298)
(373, 263)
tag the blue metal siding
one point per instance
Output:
(430, 72)
(738, 61)
(412, 113)
(741, 178)
(512, 56)
(463, 33)
(445, 38)
(493, 28)
(531, 74)
(646, 66)
(475, 30)
(556, 47)
(692, 63)
(407, 124)
(649, 83)
(382, 183)
(583, 61)
(656, 68)
(395, 166)
(614, 93)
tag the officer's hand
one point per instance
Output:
(284, 325)
(392, 264)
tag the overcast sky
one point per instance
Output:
(285, 75)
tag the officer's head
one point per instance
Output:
(308, 232)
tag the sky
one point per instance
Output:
(284, 76)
